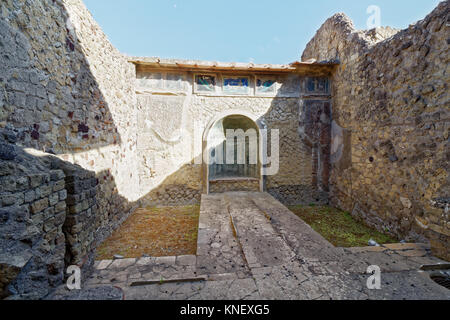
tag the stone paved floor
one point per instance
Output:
(252, 247)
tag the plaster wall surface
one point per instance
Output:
(173, 123)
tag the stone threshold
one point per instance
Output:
(232, 179)
(434, 267)
(186, 260)
(163, 281)
(403, 249)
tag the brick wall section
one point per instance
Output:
(390, 146)
(172, 195)
(81, 220)
(32, 214)
(65, 90)
(49, 220)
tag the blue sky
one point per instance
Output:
(262, 31)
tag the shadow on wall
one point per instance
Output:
(390, 98)
(68, 91)
(65, 90)
(52, 212)
(49, 219)
(52, 102)
(304, 123)
(182, 187)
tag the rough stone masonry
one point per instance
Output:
(391, 121)
(88, 134)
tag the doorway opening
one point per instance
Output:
(233, 149)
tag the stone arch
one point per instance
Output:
(260, 126)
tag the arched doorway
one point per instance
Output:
(233, 154)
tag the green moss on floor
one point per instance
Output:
(339, 227)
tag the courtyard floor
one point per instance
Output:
(252, 247)
(155, 232)
(339, 227)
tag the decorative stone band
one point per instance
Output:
(233, 184)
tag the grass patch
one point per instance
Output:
(155, 231)
(339, 227)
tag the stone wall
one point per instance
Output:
(49, 220)
(82, 216)
(221, 186)
(64, 90)
(390, 134)
(166, 157)
(67, 91)
(83, 142)
(174, 119)
(32, 214)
